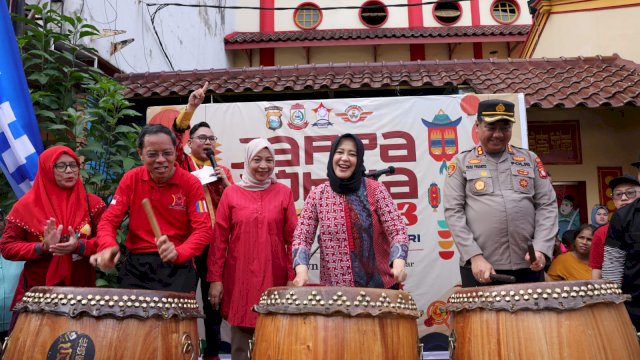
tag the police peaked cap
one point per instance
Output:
(494, 110)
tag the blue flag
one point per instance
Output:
(20, 141)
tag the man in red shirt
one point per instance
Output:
(177, 198)
(620, 188)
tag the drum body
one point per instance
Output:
(95, 323)
(554, 320)
(335, 323)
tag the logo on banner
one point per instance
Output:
(298, 118)
(446, 241)
(322, 116)
(274, 117)
(434, 196)
(443, 138)
(354, 114)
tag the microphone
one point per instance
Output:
(212, 158)
(377, 174)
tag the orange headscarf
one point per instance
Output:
(46, 199)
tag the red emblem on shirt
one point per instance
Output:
(522, 172)
(178, 202)
(523, 183)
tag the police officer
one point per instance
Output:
(497, 198)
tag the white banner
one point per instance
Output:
(417, 135)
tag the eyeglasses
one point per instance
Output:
(631, 194)
(203, 138)
(155, 154)
(62, 167)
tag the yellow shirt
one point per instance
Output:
(569, 267)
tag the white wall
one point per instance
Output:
(192, 37)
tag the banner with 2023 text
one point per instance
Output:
(418, 136)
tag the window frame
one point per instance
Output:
(307, 5)
(514, 3)
(433, 13)
(369, 3)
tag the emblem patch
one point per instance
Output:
(522, 172)
(474, 161)
(523, 183)
(298, 119)
(451, 168)
(483, 173)
(479, 150)
(274, 117)
(178, 202)
(201, 206)
(541, 171)
(518, 158)
(479, 185)
(354, 114)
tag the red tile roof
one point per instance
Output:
(546, 83)
(423, 35)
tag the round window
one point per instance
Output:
(447, 12)
(505, 11)
(307, 16)
(373, 13)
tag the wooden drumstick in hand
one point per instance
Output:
(166, 248)
(152, 218)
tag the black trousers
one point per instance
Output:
(147, 271)
(212, 319)
(522, 276)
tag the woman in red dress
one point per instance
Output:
(52, 226)
(251, 247)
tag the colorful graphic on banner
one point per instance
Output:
(446, 241)
(443, 138)
(393, 135)
(434, 196)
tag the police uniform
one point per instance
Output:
(495, 206)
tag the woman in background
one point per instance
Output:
(574, 265)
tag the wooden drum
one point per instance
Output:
(95, 323)
(553, 320)
(335, 323)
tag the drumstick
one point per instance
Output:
(502, 278)
(532, 252)
(152, 218)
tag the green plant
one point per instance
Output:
(77, 105)
(110, 149)
(51, 47)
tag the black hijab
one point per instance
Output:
(353, 183)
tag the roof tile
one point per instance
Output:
(380, 33)
(564, 82)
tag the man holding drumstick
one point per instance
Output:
(177, 198)
(498, 199)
